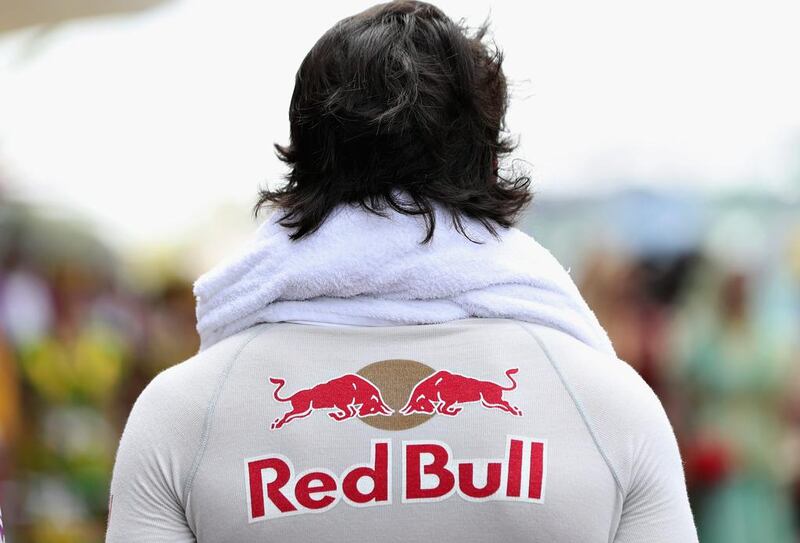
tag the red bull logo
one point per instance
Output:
(430, 473)
(347, 396)
(355, 396)
(444, 392)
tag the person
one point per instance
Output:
(389, 358)
(735, 370)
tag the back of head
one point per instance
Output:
(398, 97)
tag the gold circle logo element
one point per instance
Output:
(396, 379)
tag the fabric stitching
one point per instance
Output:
(210, 414)
(577, 404)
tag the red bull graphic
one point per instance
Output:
(444, 392)
(348, 396)
(430, 473)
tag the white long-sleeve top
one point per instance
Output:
(465, 431)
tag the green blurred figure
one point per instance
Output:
(734, 373)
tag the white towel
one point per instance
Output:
(364, 269)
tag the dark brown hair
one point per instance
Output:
(398, 97)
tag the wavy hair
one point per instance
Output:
(399, 97)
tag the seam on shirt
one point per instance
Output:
(210, 415)
(577, 404)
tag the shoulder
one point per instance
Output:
(622, 413)
(185, 390)
(166, 425)
(187, 387)
(604, 381)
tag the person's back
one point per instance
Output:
(470, 430)
(389, 359)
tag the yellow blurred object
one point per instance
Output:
(793, 257)
(9, 396)
(73, 532)
(88, 366)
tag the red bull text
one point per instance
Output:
(429, 473)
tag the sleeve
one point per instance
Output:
(153, 460)
(656, 505)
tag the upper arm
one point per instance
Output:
(153, 460)
(655, 504)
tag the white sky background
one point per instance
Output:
(145, 124)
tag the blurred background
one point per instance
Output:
(664, 145)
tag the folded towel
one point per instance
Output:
(364, 269)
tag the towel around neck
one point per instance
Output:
(364, 269)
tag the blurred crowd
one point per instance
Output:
(78, 342)
(714, 331)
(727, 373)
